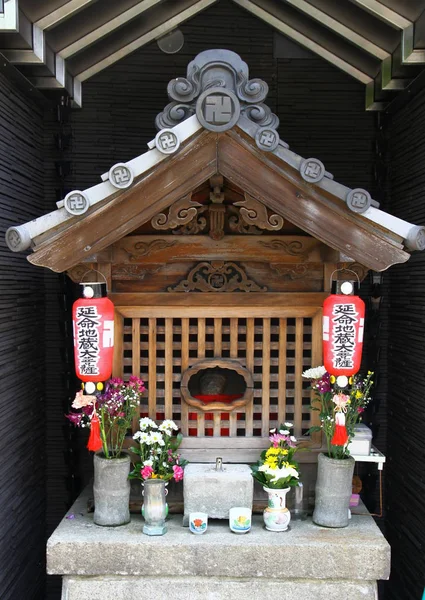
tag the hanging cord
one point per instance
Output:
(336, 270)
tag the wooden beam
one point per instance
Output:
(113, 220)
(138, 33)
(92, 25)
(172, 302)
(158, 249)
(282, 190)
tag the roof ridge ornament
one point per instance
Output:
(218, 89)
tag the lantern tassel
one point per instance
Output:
(95, 443)
(340, 436)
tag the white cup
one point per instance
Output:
(240, 519)
(198, 522)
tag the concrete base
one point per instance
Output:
(212, 588)
(304, 563)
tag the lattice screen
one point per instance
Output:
(276, 350)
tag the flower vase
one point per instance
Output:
(276, 516)
(111, 490)
(154, 507)
(166, 505)
(333, 491)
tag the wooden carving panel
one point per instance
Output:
(275, 350)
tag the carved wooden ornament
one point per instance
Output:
(217, 276)
(179, 213)
(222, 363)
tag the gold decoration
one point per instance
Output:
(217, 276)
(179, 213)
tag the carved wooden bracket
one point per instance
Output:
(255, 213)
(180, 213)
(217, 276)
(230, 364)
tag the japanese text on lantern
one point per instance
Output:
(88, 325)
(344, 335)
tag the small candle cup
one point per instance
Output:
(240, 519)
(198, 522)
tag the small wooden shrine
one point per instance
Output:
(218, 245)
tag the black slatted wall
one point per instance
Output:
(22, 321)
(406, 406)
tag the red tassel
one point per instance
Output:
(340, 436)
(95, 443)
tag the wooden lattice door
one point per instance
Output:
(274, 343)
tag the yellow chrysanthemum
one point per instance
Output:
(359, 394)
(332, 379)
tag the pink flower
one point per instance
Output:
(340, 400)
(360, 410)
(80, 400)
(275, 439)
(178, 473)
(115, 381)
(146, 472)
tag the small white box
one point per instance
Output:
(362, 440)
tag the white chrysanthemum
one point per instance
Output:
(148, 463)
(289, 425)
(273, 430)
(283, 432)
(142, 436)
(293, 438)
(156, 438)
(314, 373)
(167, 425)
(137, 435)
(145, 423)
(264, 468)
(282, 473)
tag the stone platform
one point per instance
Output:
(306, 562)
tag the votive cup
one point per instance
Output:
(240, 519)
(198, 522)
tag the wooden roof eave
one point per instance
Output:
(235, 156)
(304, 204)
(109, 222)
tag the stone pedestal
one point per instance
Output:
(306, 562)
(215, 492)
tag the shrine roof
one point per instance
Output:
(217, 122)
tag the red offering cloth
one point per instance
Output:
(217, 397)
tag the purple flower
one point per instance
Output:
(75, 418)
(323, 385)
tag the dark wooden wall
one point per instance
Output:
(405, 135)
(22, 345)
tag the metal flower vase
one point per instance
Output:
(111, 490)
(154, 507)
(276, 516)
(333, 491)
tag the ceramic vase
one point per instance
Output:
(333, 491)
(111, 490)
(276, 516)
(154, 507)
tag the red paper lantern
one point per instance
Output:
(93, 324)
(343, 326)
